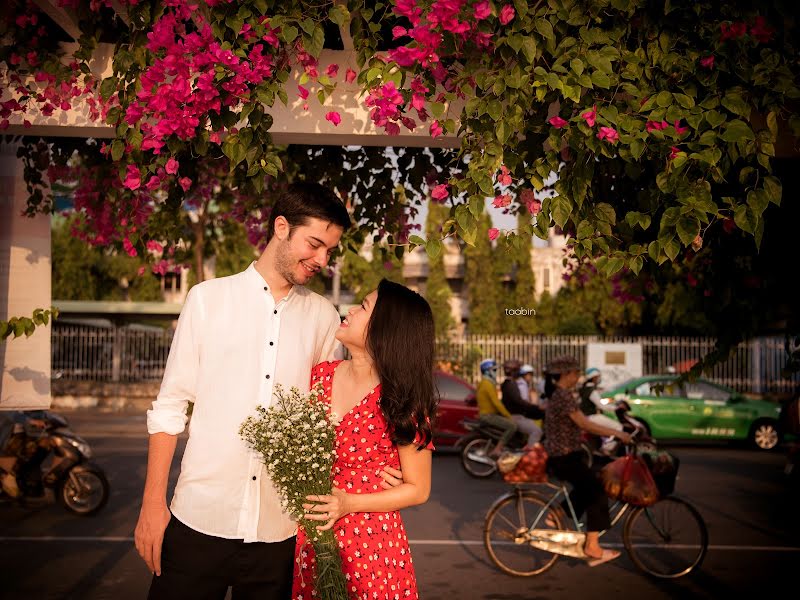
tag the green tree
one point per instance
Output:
(517, 258)
(482, 284)
(437, 290)
(232, 250)
(85, 272)
(362, 275)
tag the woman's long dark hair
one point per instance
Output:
(400, 339)
(550, 386)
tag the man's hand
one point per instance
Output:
(391, 478)
(149, 534)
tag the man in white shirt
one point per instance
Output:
(236, 338)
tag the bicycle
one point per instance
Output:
(524, 533)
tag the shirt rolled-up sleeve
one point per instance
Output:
(178, 387)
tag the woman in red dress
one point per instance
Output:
(383, 399)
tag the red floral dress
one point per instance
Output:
(374, 547)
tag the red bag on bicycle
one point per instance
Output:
(629, 479)
(530, 468)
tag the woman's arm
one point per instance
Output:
(415, 489)
(582, 421)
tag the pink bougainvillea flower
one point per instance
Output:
(732, 31)
(214, 137)
(172, 166)
(333, 117)
(332, 70)
(128, 246)
(350, 75)
(303, 92)
(656, 126)
(398, 32)
(507, 14)
(153, 182)
(673, 152)
(436, 129)
(678, 129)
(557, 122)
(590, 116)
(761, 31)
(504, 178)
(154, 246)
(502, 201)
(133, 178)
(141, 271)
(493, 233)
(440, 192)
(185, 183)
(528, 198)
(609, 134)
(482, 10)
(707, 62)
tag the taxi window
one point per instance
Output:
(650, 388)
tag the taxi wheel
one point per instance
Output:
(765, 435)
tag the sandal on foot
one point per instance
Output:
(608, 555)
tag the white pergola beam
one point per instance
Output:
(63, 17)
(291, 124)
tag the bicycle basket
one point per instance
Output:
(531, 467)
(664, 469)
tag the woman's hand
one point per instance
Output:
(328, 508)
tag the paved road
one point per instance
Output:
(753, 522)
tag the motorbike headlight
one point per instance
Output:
(80, 445)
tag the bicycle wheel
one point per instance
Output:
(476, 460)
(505, 534)
(668, 539)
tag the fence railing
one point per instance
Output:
(124, 354)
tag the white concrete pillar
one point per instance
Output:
(24, 287)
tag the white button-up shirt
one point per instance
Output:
(233, 343)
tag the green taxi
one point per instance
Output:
(698, 410)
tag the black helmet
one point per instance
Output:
(511, 367)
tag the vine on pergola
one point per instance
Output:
(660, 117)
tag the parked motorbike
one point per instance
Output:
(603, 448)
(42, 458)
(476, 445)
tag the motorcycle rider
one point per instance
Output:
(522, 411)
(490, 410)
(592, 406)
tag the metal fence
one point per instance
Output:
(754, 366)
(125, 354)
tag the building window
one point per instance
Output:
(546, 280)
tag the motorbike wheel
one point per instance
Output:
(476, 460)
(84, 491)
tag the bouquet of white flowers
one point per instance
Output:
(296, 440)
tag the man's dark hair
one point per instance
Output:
(303, 201)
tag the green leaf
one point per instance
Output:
(758, 200)
(576, 64)
(635, 264)
(416, 240)
(614, 264)
(495, 110)
(601, 80)
(108, 87)
(654, 249)
(671, 248)
(234, 150)
(289, 33)
(544, 27)
(773, 189)
(561, 209)
(117, 150)
(737, 131)
(433, 248)
(688, 228)
(664, 99)
(529, 49)
(314, 47)
(605, 212)
(585, 229)
(339, 14)
(734, 102)
(745, 218)
(684, 100)
(714, 118)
